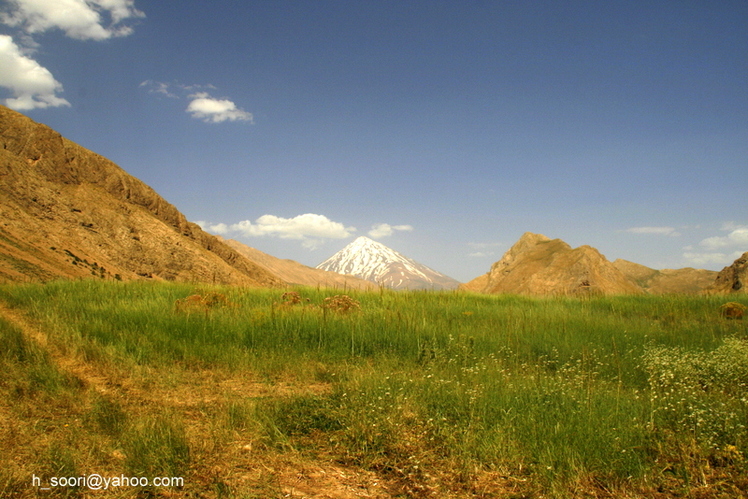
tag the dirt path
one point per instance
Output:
(240, 463)
(67, 361)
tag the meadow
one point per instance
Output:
(308, 392)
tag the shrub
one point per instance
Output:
(732, 310)
(291, 298)
(342, 304)
(200, 303)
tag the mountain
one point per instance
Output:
(295, 273)
(375, 262)
(538, 265)
(66, 212)
(732, 279)
(666, 281)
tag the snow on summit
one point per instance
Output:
(373, 261)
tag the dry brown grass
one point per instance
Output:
(202, 303)
(341, 304)
(732, 310)
(56, 434)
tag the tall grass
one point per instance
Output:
(562, 390)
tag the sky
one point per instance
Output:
(443, 129)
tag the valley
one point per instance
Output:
(132, 342)
(259, 393)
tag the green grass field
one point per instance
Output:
(249, 393)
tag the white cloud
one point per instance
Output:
(722, 250)
(661, 231)
(714, 258)
(309, 228)
(483, 249)
(219, 228)
(174, 90)
(728, 226)
(484, 245)
(32, 85)
(299, 227)
(157, 87)
(79, 19)
(212, 110)
(738, 237)
(202, 106)
(383, 230)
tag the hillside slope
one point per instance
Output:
(731, 279)
(537, 265)
(665, 281)
(66, 212)
(294, 272)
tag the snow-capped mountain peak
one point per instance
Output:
(373, 261)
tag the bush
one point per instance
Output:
(732, 310)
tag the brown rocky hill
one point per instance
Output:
(666, 281)
(294, 272)
(732, 279)
(538, 265)
(66, 212)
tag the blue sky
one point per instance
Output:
(445, 129)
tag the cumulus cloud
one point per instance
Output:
(32, 85)
(79, 19)
(661, 231)
(713, 258)
(211, 110)
(298, 227)
(202, 105)
(738, 237)
(383, 230)
(722, 250)
(309, 228)
(221, 228)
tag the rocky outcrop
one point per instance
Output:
(66, 212)
(537, 265)
(732, 279)
(667, 281)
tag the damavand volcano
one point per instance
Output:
(375, 262)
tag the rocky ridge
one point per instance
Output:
(66, 212)
(732, 279)
(538, 265)
(666, 281)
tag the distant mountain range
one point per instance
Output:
(68, 213)
(538, 265)
(686, 280)
(295, 273)
(375, 262)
